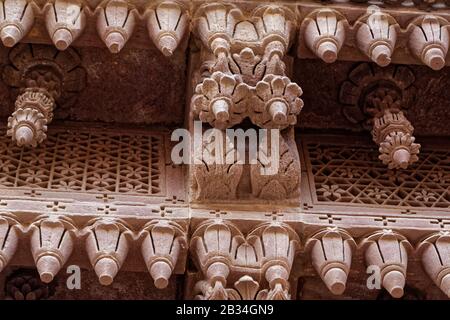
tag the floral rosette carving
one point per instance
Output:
(28, 124)
(399, 150)
(221, 100)
(276, 102)
(393, 132)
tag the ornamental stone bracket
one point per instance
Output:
(225, 256)
(44, 79)
(378, 99)
(240, 74)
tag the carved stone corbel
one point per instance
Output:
(65, 20)
(247, 51)
(275, 246)
(161, 247)
(324, 33)
(9, 238)
(214, 245)
(435, 254)
(376, 37)
(16, 20)
(331, 255)
(388, 250)
(51, 245)
(107, 247)
(115, 24)
(167, 23)
(429, 39)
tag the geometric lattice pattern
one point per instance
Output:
(85, 161)
(354, 174)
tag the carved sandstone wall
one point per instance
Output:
(104, 194)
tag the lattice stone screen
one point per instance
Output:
(91, 170)
(85, 161)
(343, 174)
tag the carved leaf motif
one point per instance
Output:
(282, 184)
(218, 175)
(247, 287)
(276, 102)
(220, 100)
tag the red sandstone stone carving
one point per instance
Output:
(161, 246)
(324, 33)
(107, 247)
(43, 81)
(51, 245)
(222, 252)
(16, 20)
(167, 23)
(115, 24)
(388, 250)
(331, 255)
(215, 172)
(434, 251)
(376, 36)
(8, 239)
(65, 21)
(429, 40)
(221, 100)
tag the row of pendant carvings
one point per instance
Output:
(258, 264)
(322, 30)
